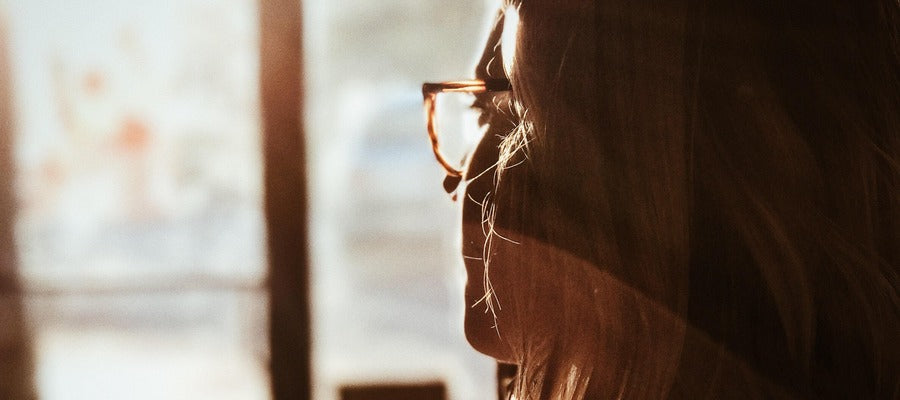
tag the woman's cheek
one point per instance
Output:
(486, 324)
(482, 311)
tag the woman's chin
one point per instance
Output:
(482, 333)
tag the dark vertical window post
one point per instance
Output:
(281, 69)
(15, 350)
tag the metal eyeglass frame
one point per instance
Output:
(430, 92)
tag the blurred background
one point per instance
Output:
(133, 248)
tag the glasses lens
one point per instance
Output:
(457, 127)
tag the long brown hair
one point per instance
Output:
(733, 165)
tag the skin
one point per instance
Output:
(480, 328)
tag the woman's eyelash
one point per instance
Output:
(483, 104)
(495, 105)
(484, 111)
(490, 102)
(478, 105)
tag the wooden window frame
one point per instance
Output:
(16, 356)
(286, 205)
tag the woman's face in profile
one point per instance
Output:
(485, 329)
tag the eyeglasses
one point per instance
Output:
(430, 93)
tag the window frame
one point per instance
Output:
(285, 192)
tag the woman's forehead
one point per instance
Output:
(508, 37)
(489, 65)
(498, 54)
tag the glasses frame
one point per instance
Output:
(429, 94)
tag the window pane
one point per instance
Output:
(140, 228)
(387, 269)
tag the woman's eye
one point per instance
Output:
(492, 106)
(484, 108)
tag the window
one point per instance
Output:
(140, 231)
(138, 176)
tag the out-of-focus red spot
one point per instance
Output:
(93, 82)
(133, 135)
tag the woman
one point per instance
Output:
(689, 199)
